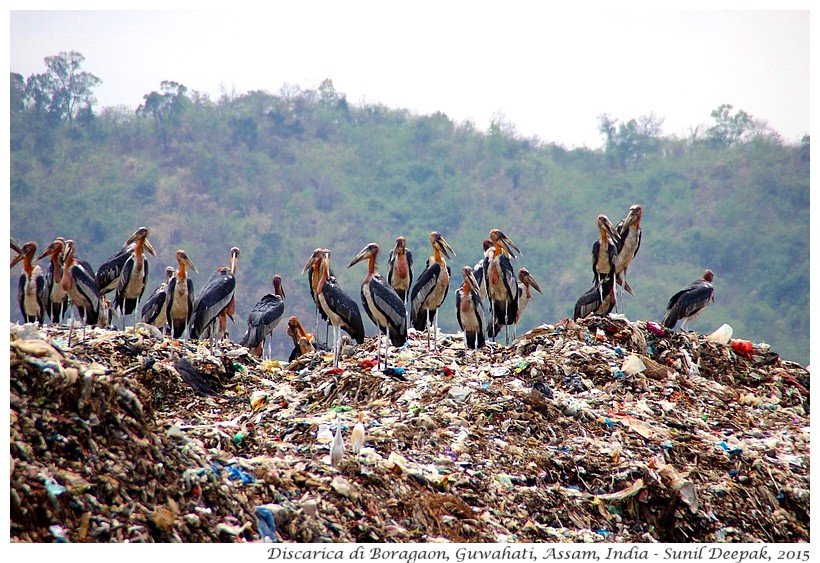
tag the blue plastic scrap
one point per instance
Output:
(267, 524)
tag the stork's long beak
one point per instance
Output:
(509, 245)
(470, 277)
(190, 264)
(530, 281)
(47, 252)
(315, 257)
(17, 259)
(150, 248)
(445, 248)
(363, 254)
(15, 247)
(604, 222)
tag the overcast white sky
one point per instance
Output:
(551, 72)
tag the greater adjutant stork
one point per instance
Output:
(56, 298)
(215, 302)
(470, 311)
(80, 283)
(525, 282)
(134, 274)
(264, 317)
(301, 339)
(382, 303)
(502, 287)
(340, 308)
(431, 288)
(629, 241)
(31, 291)
(313, 273)
(180, 295)
(400, 271)
(153, 310)
(605, 256)
(690, 301)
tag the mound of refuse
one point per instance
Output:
(601, 430)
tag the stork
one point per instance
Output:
(31, 291)
(215, 301)
(629, 241)
(301, 339)
(604, 256)
(525, 282)
(134, 275)
(180, 295)
(80, 283)
(502, 287)
(478, 270)
(109, 272)
(313, 278)
(598, 300)
(431, 288)
(341, 310)
(690, 301)
(470, 312)
(381, 301)
(56, 298)
(264, 317)
(105, 318)
(153, 310)
(400, 272)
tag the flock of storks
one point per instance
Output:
(394, 305)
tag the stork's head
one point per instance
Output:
(438, 243)
(182, 258)
(499, 239)
(169, 273)
(141, 235)
(369, 251)
(605, 226)
(634, 215)
(401, 244)
(708, 275)
(469, 278)
(28, 250)
(234, 259)
(277, 286)
(54, 249)
(315, 257)
(527, 279)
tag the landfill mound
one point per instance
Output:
(601, 430)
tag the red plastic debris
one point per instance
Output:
(742, 347)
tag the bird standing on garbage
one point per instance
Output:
(597, 300)
(31, 290)
(313, 273)
(629, 241)
(340, 308)
(604, 255)
(153, 310)
(264, 317)
(690, 301)
(301, 339)
(502, 287)
(381, 303)
(337, 449)
(56, 298)
(431, 288)
(214, 303)
(357, 435)
(134, 274)
(525, 282)
(470, 312)
(180, 295)
(400, 272)
(80, 283)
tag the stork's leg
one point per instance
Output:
(71, 327)
(506, 320)
(428, 328)
(435, 330)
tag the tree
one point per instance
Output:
(63, 91)
(165, 108)
(728, 129)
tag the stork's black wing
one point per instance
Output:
(108, 275)
(263, 318)
(688, 301)
(213, 299)
(346, 308)
(155, 304)
(420, 294)
(389, 305)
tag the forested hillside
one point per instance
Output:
(281, 174)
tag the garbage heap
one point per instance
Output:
(602, 430)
